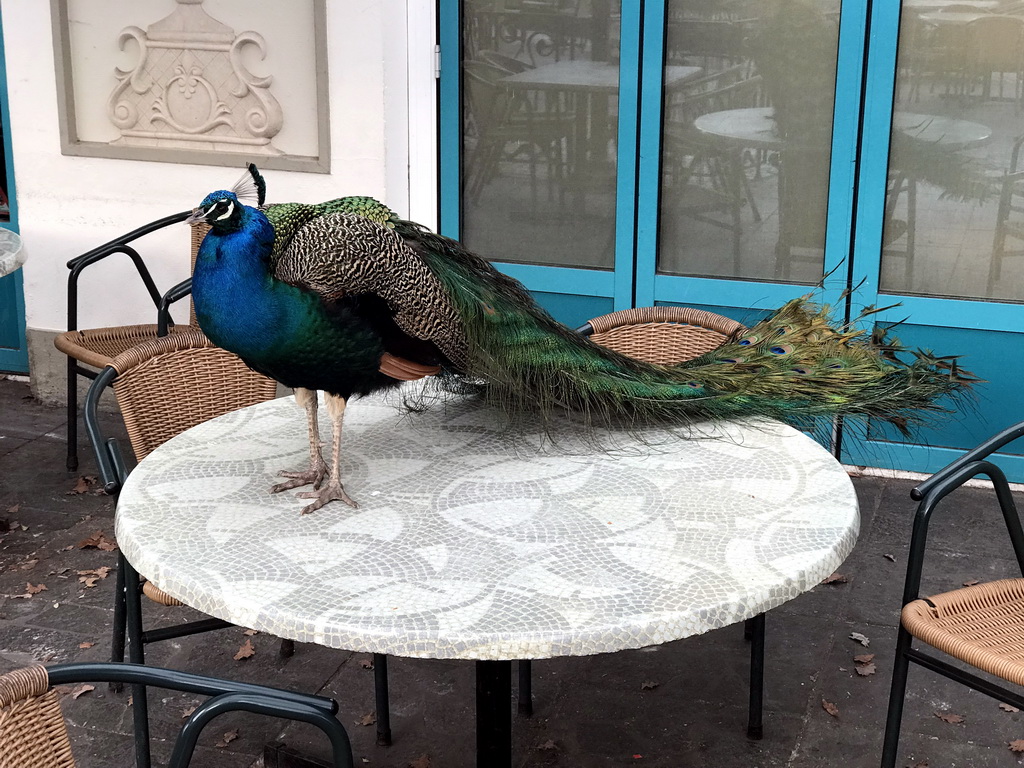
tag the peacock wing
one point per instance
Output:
(289, 218)
(345, 254)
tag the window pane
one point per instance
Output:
(746, 145)
(954, 216)
(540, 85)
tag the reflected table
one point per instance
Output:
(469, 546)
(754, 127)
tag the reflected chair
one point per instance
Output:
(980, 625)
(669, 336)
(94, 348)
(33, 733)
(995, 46)
(707, 179)
(1009, 215)
(510, 124)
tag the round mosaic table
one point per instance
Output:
(470, 545)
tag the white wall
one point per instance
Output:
(70, 204)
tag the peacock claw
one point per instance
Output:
(314, 477)
(333, 491)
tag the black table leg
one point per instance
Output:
(755, 729)
(493, 714)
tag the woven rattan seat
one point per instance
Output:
(33, 733)
(663, 335)
(981, 624)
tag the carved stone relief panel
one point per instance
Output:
(191, 86)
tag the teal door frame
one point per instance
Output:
(14, 348)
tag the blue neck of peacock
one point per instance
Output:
(236, 299)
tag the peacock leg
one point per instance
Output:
(333, 490)
(317, 469)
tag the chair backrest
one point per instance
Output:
(663, 335)
(32, 730)
(996, 43)
(168, 385)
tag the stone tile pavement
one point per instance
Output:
(674, 706)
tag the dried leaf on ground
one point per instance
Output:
(368, 719)
(82, 485)
(835, 578)
(648, 685)
(35, 590)
(864, 658)
(829, 707)
(187, 712)
(12, 511)
(423, 761)
(227, 738)
(366, 663)
(1017, 745)
(865, 669)
(250, 632)
(86, 645)
(98, 541)
(1007, 707)
(28, 565)
(972, 582)
(548, 745)
(862, 639)
(948, 717)
(245, 651)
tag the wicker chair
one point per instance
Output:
(163, 387)
(94, 348)
(33, 733)
(663, 335)
(983, 624)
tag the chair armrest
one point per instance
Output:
(982, 451)
(163, 316)
(100, 251)
(261, 704)
(117, 245)
(227, 696)
(109, 460)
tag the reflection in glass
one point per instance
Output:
(540, 88)
(954, 214)
(745, 158)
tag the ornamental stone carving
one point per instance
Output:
(190, 89)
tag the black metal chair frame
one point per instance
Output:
(929, 494)
(226, 696)
(162, 303)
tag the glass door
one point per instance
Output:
(941, 216)
(539, 123)
(613, 154)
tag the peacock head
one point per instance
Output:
(221, 210)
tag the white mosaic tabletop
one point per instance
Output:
(468, 546)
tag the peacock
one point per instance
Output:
(346, 298)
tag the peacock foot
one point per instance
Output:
(333, 491)
(313, 476)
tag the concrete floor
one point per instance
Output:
(681, 704)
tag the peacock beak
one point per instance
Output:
(198, 217)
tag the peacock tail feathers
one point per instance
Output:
(796, 365)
